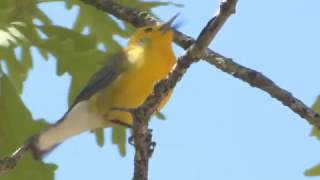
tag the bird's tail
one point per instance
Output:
(77, 120)
(38, 153)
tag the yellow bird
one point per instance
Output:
(124, 82)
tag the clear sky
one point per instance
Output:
(217, 127)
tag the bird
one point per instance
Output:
(124, 81)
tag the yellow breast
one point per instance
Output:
(132, 87)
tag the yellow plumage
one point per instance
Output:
(125, 82)
(151, 62)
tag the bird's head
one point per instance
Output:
(159, 34)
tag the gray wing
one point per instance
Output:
(116, 64)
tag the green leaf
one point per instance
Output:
(14, 31)
(146, 6)
(18, 33)
(40, 15)
(315, 132)
(76, 54)
(26, 59)
(99, 134)
(160, 116)
(16, 125)
(69, 4)
(6, 38)
(316, 107)
(119, 138)
(100, 25)
(10, 34)
(17, 72)
(314, 171)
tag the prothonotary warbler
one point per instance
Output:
(124, 82)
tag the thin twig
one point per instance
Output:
(227, 8)
(9, 163)
(258, 80)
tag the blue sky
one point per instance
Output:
(217, 126)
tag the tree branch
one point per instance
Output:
(141, 135)
(250, 76)
(9, 163)
(258, 80)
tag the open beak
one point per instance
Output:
(168, 25)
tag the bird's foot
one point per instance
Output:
(151, 143)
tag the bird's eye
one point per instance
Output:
(148, 29)
(142, 41)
